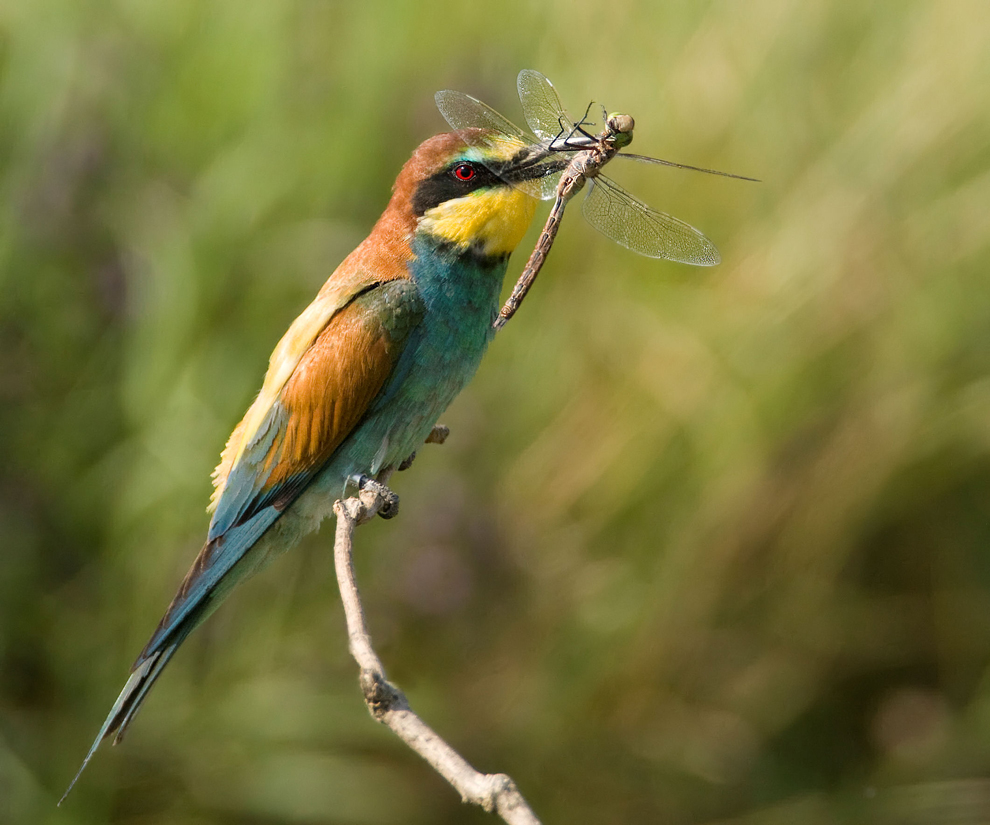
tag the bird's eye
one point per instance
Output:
(465, 172)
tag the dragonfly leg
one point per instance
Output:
(584, 122)
(574, 128)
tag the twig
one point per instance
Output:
(494, 792)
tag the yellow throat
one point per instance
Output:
(493, 220)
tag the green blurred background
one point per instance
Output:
(705, 546)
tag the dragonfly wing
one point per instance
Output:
(541, 105)
(462, 111)
(661, 162)
(630, 222)
(465, 114)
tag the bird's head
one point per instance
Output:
(457, 193)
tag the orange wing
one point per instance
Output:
(320, 404)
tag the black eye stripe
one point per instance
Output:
(453, 181)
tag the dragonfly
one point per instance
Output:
(563, 158)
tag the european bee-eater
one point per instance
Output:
(359, 379)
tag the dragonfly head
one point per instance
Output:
(621, 126)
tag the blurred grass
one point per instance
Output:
(704, 547)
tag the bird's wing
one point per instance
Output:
(323, 376)
(338, 292)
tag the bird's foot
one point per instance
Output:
(437, 435)
(389, 500)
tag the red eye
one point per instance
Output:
(464, 172)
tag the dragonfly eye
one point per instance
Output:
(620, 123)
(465, 172)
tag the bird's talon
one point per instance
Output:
(438, 434)
(389, 507)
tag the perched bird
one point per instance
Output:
(359, 379)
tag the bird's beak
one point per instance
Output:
(530, 163)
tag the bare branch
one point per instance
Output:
(494, 792)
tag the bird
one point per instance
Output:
(360, 378)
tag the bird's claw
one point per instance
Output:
(389, 507)
(438, 434)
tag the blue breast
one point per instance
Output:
(459, 292)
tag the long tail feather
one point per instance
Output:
(142, 690)
(128, 702)
(125, 701)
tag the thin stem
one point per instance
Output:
(494, 792)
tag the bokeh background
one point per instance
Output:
(705, 546)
